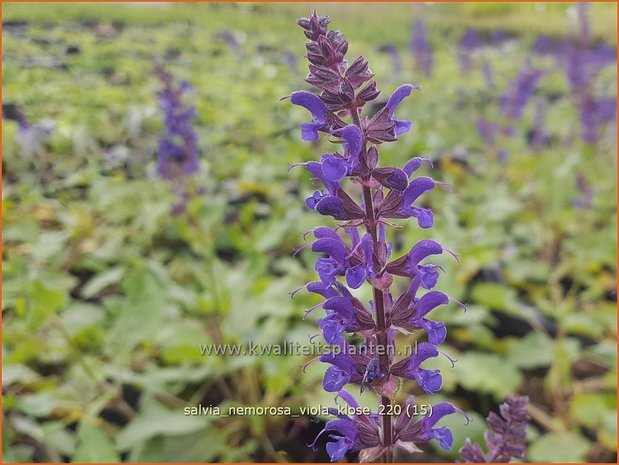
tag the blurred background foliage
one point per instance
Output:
(107, 295)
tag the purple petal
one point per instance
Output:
(337, 449)
(355, 276)
(444, 437)
(331, 206)
(318, 287)
(396, 98)
(349, 399)
(438, 412)
(393, 178)
(429, 380)
(429, 301)
(352, 135)
(424, 249)
(321, 232)
(402, 126)
(327, 269)
(334, 168)
(342, 306)
(313, 104)
(332, 329)
(414, 164)
(316, 169)
(309, 131)
(436, 330)
(424, 351)
(334, 247)
(416, 188)
(425, 217)
(429, 276)
(313, 199)
(335, 379)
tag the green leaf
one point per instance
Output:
(94, 446)
(153, 420)
(589, 408)
(495, 296)
(531, 351)
(44, 301)
(478, 371)
(140, 314)
(559, 447)
(101, 281)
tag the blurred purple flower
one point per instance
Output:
(466, 46)
(178, 145)
(506, 434)
(422, 52)
(519, 91)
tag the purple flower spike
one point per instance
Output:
(358, 252)
(178, 146)
(319, 111)
(401, 126)
(506, 435)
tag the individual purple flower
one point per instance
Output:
(355, 365)
(506, 434)
(322, 118)
(429, 380)
(401, 126)
(402, 204)
(344, 313)
(409, 313)
(409, 430)
(350, 433)
(409, 264)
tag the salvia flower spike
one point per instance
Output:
(357, 253)
(506, 434)
(178, 152)
(178, 146)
